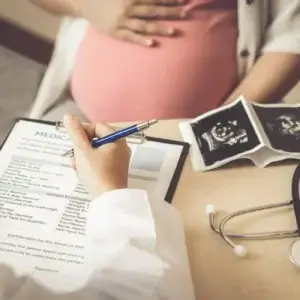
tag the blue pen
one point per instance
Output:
(123, 133)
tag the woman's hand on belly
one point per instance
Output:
(133, 20)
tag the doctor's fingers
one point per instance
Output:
(98, 130)
(89, 129)
(77, 133)
(102, 129)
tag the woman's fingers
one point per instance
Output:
(155, 12)
(136, 29)
(130, 36)
(161, 2)
(148, 28)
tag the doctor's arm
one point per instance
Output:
(277, 70)
(138, 248)
(137, 244)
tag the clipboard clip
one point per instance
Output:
(136, 138)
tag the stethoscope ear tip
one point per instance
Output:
(210, 208)
(240, 250)
(295, 253)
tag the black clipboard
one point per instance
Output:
(176, 177)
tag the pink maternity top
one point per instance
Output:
(183, 77)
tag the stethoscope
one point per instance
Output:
(240, 250)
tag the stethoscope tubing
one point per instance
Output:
(260, 235)
(239, 249)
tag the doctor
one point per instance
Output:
(149, 248)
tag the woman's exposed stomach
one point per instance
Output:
(183, 77)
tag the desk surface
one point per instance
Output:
(218, 274)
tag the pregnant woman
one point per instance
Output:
(131, 66)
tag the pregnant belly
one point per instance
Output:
(185, 76)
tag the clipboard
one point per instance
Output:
(178, 170)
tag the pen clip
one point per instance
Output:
(136, 138)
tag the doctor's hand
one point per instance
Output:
(133, 20)
(99, 170)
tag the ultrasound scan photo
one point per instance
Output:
(282, 126)
(225, 134)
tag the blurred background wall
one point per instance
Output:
(29, 17)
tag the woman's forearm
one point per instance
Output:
(271, 78)
(58, 7)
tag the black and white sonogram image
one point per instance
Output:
(225, 134)
(282, 126)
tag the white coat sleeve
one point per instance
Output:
(138, 248)
(283, 33)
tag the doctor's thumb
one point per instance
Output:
(76, 133)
